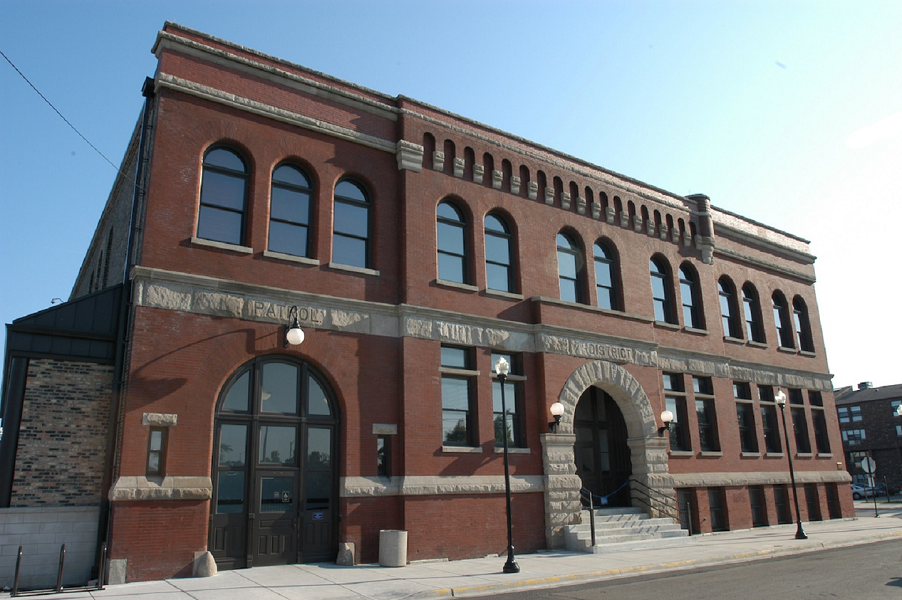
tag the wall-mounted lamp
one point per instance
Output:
(294, 335)
(557, 409)
(667, 420)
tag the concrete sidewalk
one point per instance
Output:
(484, 576)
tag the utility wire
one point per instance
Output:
(22, 75)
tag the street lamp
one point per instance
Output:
(294, 335)
(557, 409)
(502, 368)
(780, 398)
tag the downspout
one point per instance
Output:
(123, 335)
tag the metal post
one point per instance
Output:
(800, 533)
(511, 565)
(59, 574)
(102, 570)
(15, 591)
(592, 517)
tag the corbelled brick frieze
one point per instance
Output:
(204, 295)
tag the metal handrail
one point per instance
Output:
(655, 500)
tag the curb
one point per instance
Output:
(574, 578)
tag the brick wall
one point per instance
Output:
(63, 434)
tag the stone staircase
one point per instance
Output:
(619, 529)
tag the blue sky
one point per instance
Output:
(787, 112)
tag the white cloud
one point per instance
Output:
(886, 128)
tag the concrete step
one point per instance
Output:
(622, 527)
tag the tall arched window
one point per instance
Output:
(569, 264)
(606, 277)
(691, 298)
(452, 244)
(499, 272)
(752, 313)
(803, 325)
(223, 197)
(782, 321)
(351, 226)
(729, 312)
(289, 213)
(661, 290)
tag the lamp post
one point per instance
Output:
(502, 368)
(780, 398)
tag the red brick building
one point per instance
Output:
(415, 247)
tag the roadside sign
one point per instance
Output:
(868, 465)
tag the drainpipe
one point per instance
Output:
(120, 372)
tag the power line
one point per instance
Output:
(22, 75)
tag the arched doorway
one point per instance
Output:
(602, 454)
(274, 467)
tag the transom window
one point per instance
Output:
(351, 226)
(499, 273)
(289, 214)
(223, 197)
(452, 244)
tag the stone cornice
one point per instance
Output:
(357, 487)
(198, 294)
(170, 488)
(176, 43)
(761, 264)
(757, 478)
(166, 81)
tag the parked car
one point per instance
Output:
(881, 489)
(860, 492)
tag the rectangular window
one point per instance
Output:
(781, 501)
(706, 413)
(383, 456)
(513, 392)
(821, 439)
(156, 451)
(759, 510)
(853, 437)
(745, 416)
(715, 504)
(800, 427)
(772, 442)
(854, 414)
(675, 401)
(843, 413)
(899, 430)
(458, 410)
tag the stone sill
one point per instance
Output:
(710, 454)
(466, 287)
(462, 449)
(196, 241)
(513, 450)
(755, 344)
(695, 331)
(733, 340)
(501, 294)
(665, 325)
(303, 260)
(750, 455)
(682, 453)
(352, 269)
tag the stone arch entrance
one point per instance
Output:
(650, 485)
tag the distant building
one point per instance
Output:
(871, 426)
(415, 248)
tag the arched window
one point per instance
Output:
(729, 312)
(351, 226)
(752, 313)
(569, 264)
(606, 277)
(499, 272)
(803, 325)
(223, 197)
(781, 320)
(691, 298)
(452, 245)
(289, 213)
(661, 290)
